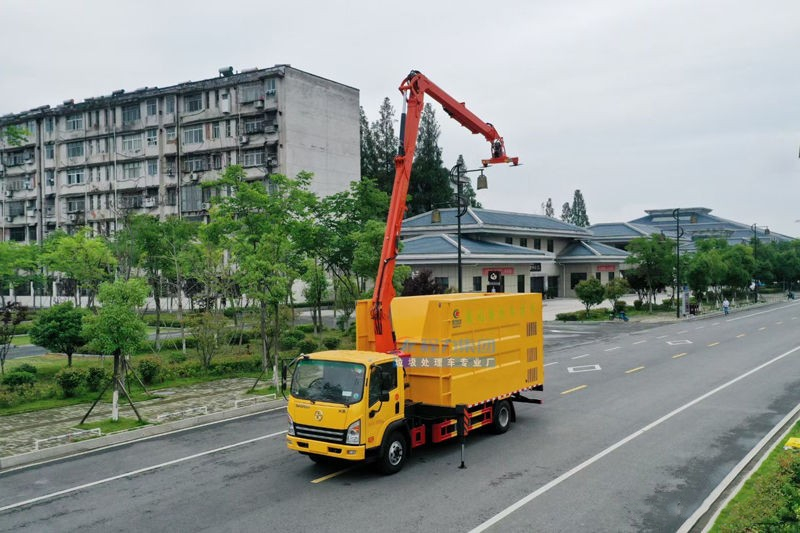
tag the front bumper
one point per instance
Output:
(328, 449)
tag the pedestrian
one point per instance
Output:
(726, 306)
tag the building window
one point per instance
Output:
(520, 283)
(152, 167)
(550, 245)
(193, 102)
(169, 103)
(610, 276)
(249, 93)
(253, 125)
(537, 244)
(50, 177)
(270, 83)
(171, 133)
(152, 107)
(477, 283)
(152, 137)
(131, 170)
(49, 151)
(75, 205)
(215, 130)
(194, 164)
(193, 135)
(597, 275)
(523, 242)
(75, 176)
(75, 149)
(131, 113)
(227, 128)
(131, 143)
(575, 278)
(101, 145)
(253, 158)
(75, 122)
(443, 283)
(509, 240)
(48, 125)
(217, 161)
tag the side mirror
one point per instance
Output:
(283, 377)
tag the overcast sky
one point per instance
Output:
(640, 104)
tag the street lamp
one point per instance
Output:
(755, 227)
(676, 214)
(458, 176)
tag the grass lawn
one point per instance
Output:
(770, 499)
(109, 426)
(20, 340)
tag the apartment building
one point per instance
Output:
(91, 163)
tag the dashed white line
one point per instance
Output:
(639, 342)
(553, 363)
(581, 356)
(611, 349)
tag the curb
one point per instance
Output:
(113, 439)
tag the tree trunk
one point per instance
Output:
(263, 329)
(115, 394)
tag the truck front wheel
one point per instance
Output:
(501, 415)
(394, 453)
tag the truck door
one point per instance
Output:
(381, 411)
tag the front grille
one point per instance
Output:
(317, 433)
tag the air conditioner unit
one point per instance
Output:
(205, 206)
(9, 218)
(29, 186)
(259, 104)
(72, 217)
(149, 202)
(193, 176)
(272, 161)
(243, 139)
(8, 193)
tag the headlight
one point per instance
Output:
(291, 425)
(354, 433)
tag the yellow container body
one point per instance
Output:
(464, 349)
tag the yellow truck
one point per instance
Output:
(425, 368)
(462, 360)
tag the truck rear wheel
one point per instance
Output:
(501, 417)
(394, 453)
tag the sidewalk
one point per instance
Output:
(173, 409)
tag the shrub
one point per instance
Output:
(69, 379)
(19, 378)
(291, 338)
(149, 370)
(637, 304)
(306, 328)
(331, 342)
(567, 317)
(619, 306)
(26, 367)
(177, 357)
(307, 345)
(96, 378)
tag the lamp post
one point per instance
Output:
(755, 227)
(676, 214)
(458, 176)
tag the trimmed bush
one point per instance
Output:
(291, 338)
(26, 367)
(96, 378)
(307, 345)
(19, 378)
(637, 304)
(619, 306)
(331, 342)
(567, 317)
(149, 370)
(69, 379)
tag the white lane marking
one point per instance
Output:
(553, 363)
(699, 327)
(582, 368)
(566, 475)
(611, 349)
(662, 337)
(639, 342)
(758, 313)
(682, 332)
(136, 472)
(581, 356)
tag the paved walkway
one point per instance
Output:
(51, 426)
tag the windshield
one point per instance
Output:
(328, 381)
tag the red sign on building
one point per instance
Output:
(506, 271)
(606, 268)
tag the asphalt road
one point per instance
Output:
(637, 429)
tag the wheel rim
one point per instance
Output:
(503, 416)
(395, 453)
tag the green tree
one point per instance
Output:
(566, 212)
(421, 282)
(369, 154)
(117, 328)
(14, 135)
(16, 265)
(11, 315)
(467, 191)
(548, 208)
(386, 144)
(177, 234)
(616, 289)
(315, 290)
(590, 292)
(59, 329)
(652, 260)
(578, 215)
(429, 184)
(87, 260)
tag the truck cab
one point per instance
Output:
(342, 403)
